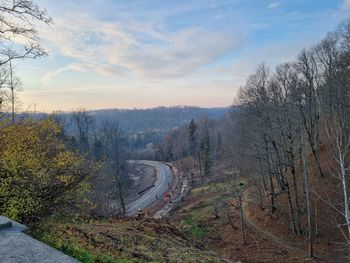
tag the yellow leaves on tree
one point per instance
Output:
(37, 173)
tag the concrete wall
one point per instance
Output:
(17, 247)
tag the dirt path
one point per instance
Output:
(278, 240)
(248, 200)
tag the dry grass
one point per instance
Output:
(132, 240)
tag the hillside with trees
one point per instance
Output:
(288, 143)
(156, 119)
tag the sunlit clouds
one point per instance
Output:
(107, 54)
(135, 49)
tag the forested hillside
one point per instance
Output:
(133, 121)
(156, 119)
(290, 145)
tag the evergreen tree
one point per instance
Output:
(207, 162)
(192, 137)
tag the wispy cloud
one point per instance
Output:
(138, 49)
(72, 67)
(156, 52)
(273, 5)
(346, 4)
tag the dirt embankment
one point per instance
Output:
(208, 214)
(329, 243)
(130, 240)
(219, 230)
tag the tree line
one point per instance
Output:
(295, 124)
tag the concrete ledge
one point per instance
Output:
(7, 224)
(17, 247)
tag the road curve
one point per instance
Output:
(161, 185)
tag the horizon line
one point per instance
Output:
(121, 109)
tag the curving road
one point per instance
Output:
(161, 185)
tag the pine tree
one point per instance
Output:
(192, 137)
(207, 162)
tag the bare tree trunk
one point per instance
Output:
(296, 196)
(200, 165)
(316, 218)
(261, 173)
(307, 192)
(13, 105)
(162, 153)
(291, 213)
(345, 190)
(121, 197)
(262, 176)
(272, 190)
(272, 193)
(341, 143)
(241, 220)
(12, 94)
(315, 153)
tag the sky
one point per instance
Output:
(148, 53)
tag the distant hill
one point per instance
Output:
(156, 119)
(134, 121)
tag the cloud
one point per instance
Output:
(272, 54)
(184, 52)
(273, 5)
(346, 4)
(72, 67)
(127, 48)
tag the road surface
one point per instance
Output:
(161, 185)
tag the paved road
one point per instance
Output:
(161, 185)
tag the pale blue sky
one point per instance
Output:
(139, 54)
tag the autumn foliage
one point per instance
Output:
(38, 174)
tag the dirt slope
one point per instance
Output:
(131, 240)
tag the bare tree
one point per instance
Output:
(339, 140)
(238, 193)
(3, 85)
(14, 84)
(309, 83)
(83, 123)
(115, 159)
(307, 192)
(18, 37)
